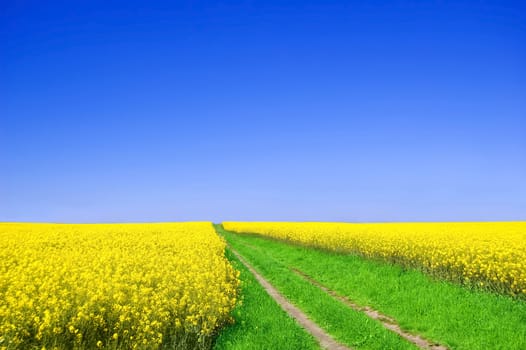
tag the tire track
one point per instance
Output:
(324, 339)
(386, 321)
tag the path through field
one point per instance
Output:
(325, 340)
(386, 321)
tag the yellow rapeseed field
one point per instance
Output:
(113, 286)
(491, 255)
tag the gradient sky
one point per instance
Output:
(262, 110)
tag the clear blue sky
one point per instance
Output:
(262, 110)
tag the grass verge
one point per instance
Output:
(455, 316)
(260, 323)
(347, 326)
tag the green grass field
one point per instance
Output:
(443, 312)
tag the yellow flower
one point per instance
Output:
(126, 279)
(487, 254)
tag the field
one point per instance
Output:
(488, 255)
(198, 286)
(128, 286)
(320, 268)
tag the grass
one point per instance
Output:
(260, 323)
(344, 324)
(455, 316)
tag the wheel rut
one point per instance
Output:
(386, 321)
(323, 338)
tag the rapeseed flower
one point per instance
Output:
(117, 286)
(488, 255)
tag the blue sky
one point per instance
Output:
(262, 110)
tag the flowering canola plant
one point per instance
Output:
(113, 286)
(490, 255)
